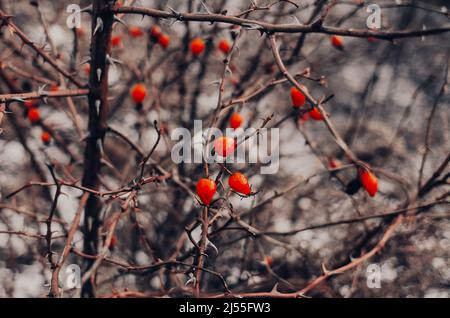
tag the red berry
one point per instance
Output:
(116, 40)
(30, 103)
(197, 46)
(369, 181)
(164, 40)
(155, 32)
(268, 260)
(33, 115)
(337, 41)
(224, 46)
(138, 93)
(54, 88)
(334, 163)
(206, 188)
(113, 242)
(224, 146)
(236, 120)
(45, 137)
(87, 69)
(135, 31)
(297, 97)
(80, 31)
(315, 114)
(239, 183)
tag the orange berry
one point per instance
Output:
(34, 115)
(206, 188)
(116, 40)
(334, 163)
(337, 41)
(30, 103)
(113, 242)
(268, 261)
(138, 93)
(155, 32)
(46, 137)
(369, 181)
(224, 146)
(80, 31)
(236, 120)
(224, 46)
(315, 114)
(239, 183)
(197, 46)
(164, 40)
(87, 69)
(297, 97)
(135, 31)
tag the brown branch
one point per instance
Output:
(38, 95)
(276, 28)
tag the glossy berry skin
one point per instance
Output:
(224, 46)
(116, 40)
(369, 181)
(164, 40)
(33, 115)
(236, 120)
(224, 146)
(138, 93)
(45, 137)
(297, 97)
(337, 41)
(197, 46)
(315, 114)
(239, 183)
(206, 188)
(135, 31)
(155, 32)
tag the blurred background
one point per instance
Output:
(390, 104)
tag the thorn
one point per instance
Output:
(100, 147)
(324, 269)
(192, 280)
(88, 9)
(17, 99)
(228, 70)
(177, 14)
(98, 25)
(216, 82)
(42, 91)
(204, 6)
(275, 289)
(209, 243)
(295, 19)
(99, 74)
(110, 60)
(120, 21)
(97, 106)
